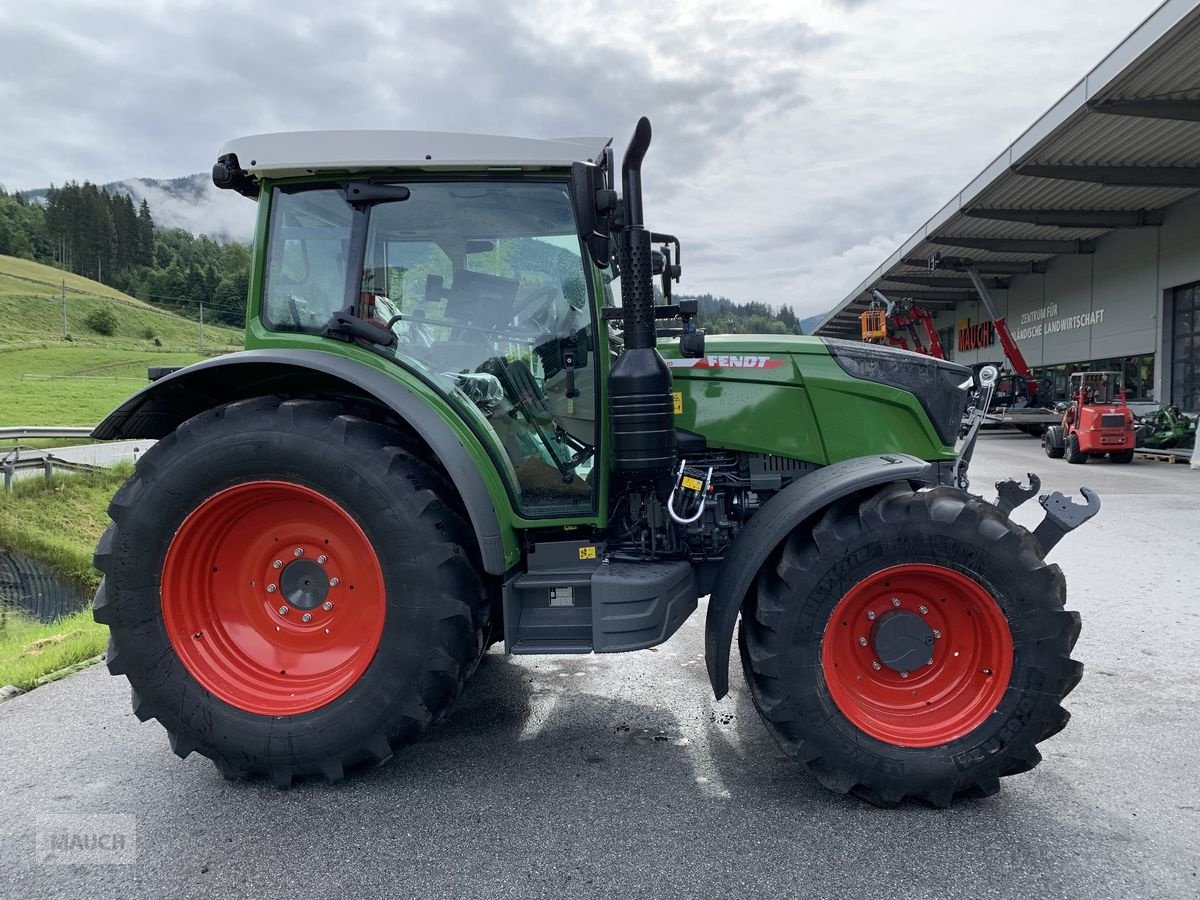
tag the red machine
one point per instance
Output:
(1095, 424)
(1035, 388)
(904, 314)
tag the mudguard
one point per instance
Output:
(774, 521)
(164, 405)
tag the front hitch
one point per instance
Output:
(1063, 516)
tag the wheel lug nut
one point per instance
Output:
(299, 551)
(903, 674)
(307, 617)
(327, 606)
(862, 641)
(271, 588)
(871, 614)
(895, 601)
(283, 610)
(936, 633)
(334, 582)
(278, 564)
(930, 663)
(875, 665)
(322, 559)
(924, 610)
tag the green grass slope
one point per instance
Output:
(46, 380)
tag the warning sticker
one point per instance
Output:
(587, 552)
(677, 397)
(692, 484)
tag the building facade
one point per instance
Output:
(1085, 231)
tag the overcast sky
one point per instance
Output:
(796, 143)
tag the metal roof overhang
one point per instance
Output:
(1121, 146)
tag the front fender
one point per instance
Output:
(778, 517)
(164, 405)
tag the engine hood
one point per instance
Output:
(811, 399)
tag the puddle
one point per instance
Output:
(37, 591)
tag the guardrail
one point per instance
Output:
(26, 432)
(13, 462)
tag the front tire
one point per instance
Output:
(288, 591)
(1052, 442)
(1074, 455)
(972, 590)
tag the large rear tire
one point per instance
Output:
(913, 644)
(1122, 457)
(289, 590)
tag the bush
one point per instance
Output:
(149, 333)
(101, 320)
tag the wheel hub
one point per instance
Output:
(902, 640)
(273, 598)
(304, 584)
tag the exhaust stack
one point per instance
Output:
(643, 415)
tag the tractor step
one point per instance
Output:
(569, 601)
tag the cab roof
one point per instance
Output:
(296, 153)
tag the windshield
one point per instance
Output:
(485, 287)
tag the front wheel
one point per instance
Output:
(289, 590)
(913, 644)
(1073, 453)
(1052, 442)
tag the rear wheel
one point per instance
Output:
(1122, 456)
(1073, 453)
(289, 590)
(914, 644)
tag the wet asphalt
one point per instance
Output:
(620, 776)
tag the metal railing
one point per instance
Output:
(13, 462)
(29, 432)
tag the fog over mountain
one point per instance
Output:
(191, 202)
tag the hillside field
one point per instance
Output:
(46, 380)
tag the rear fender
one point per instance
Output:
(157, 410)
(777, 518)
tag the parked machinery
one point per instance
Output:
(1097, 422)
(883, 325)
(1165, 429)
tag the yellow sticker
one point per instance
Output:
(587, 552)
(677, 396)
(692, 484)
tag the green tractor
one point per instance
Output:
(462, 418)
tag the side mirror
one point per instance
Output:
(592, 213)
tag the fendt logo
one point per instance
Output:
(727, 362)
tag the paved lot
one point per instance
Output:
(620, 776)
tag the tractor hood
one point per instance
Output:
(816, 399)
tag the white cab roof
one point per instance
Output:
(292, 153)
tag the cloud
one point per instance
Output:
(793, 138)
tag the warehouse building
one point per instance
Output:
(1085, 230)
